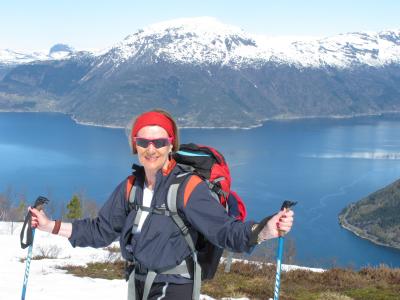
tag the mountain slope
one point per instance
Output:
(376, 217)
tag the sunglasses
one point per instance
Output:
(158, 143)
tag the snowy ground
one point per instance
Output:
(46, 282)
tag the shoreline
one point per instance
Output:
(260, 122)
(360, 233)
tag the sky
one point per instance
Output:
(97, 24)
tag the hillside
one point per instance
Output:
(376, 217)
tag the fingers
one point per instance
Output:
(34, 218)
(33, 211)
(36, 215)
(285, 221)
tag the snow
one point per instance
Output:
(206, 40)
(14, 57)
(46, 282)
(8, 56)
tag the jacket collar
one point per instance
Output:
(171, 166)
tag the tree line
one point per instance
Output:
(14, 207)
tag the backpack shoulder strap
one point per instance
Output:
(172, 201)
(191, 184)
(130, 191)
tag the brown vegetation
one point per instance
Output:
(256, 281)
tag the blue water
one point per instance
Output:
(322, 164)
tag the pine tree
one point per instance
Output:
(21, 209)
(74, 208)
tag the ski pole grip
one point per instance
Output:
(286, 205)
(26, 235)
(40, 202)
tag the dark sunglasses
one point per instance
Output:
(158, 143)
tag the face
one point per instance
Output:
(152, 158)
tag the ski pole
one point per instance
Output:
(286, 205)
(26, 238)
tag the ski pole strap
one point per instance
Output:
(26, 236)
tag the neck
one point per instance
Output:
(151, 180)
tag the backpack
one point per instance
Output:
(209, 165)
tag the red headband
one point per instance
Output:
(156, 119)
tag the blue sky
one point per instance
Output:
(86, 24)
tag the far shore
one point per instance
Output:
(259, 123)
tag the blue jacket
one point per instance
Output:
(160, 244)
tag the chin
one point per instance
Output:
(153, 166)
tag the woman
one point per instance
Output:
(155, 244)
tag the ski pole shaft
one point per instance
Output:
(27, 267)
(27, 235)
(285, 206)
(278, 268)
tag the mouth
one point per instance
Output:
(151, 158)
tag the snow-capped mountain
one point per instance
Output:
(12, 57)
(211, 74)
(207, 41)
(60, 51)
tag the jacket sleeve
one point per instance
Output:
(209, 217)
(106, 227)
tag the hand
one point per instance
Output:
(278, 225)
(40, 220)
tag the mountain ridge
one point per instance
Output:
(206, 72)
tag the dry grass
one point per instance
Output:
(106, 270)
(113, 249)
(248, 280)
(257, 282)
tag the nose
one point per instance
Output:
(151, 148)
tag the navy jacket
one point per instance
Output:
(160, 243)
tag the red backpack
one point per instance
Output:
(210, 165)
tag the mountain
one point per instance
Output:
(376, 217)
(212, 74)
(11, 57)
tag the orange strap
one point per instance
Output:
(130, 181)
(190, 186)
